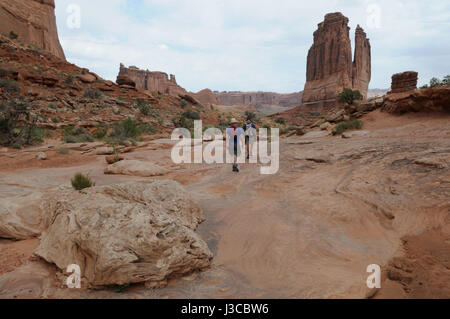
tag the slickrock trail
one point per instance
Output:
(310, 231)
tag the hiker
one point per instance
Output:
(250, 136)
(234, 134)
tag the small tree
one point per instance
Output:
(12, 114)
(446, 80)
(434, 82)
(349, 96)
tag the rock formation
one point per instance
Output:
(403, 82)
(427, 100)
(259, 98)
(152, 81)
(206, 97)
(125, 80)
(362, 67)
(33, 21)
(125, 233)
(329, 66)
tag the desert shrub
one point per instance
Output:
(144, 108)
(76, 135)
(63, 151)
(100, 133)
(13, 115)
(10, 86)
(130, 130)
(280, 121)
(92, 93)
(147, 128)
(80, 182)
(13, 35)
(347, 125)
(192, 115)
(183, 103)
(69, 80)
(349, 96)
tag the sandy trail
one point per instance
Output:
(308, 231)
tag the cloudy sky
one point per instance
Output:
(248, 45)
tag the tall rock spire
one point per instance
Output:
(330, 68)
(362, 62)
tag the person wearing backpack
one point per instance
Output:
(250, 136)
(234, 134)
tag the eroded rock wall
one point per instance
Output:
(259, 98)
(152, 81)
(34, 21)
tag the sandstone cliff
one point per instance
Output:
(33, 21)
(152, 81)
(259, 98)
(330, 67)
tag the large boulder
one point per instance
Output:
(125, 233)
(125, 80)
(20, 213)
(135, 168)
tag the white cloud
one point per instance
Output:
(251, 44)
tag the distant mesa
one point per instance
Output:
(330, 68)
(259, 98)
(34, 22)
(152, 80)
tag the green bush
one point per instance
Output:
(63, 151)
(69, 80)
(80, 181)
(183, 103)
(12, 115)
(192, 115)
(12, 35)
(349, 96)
(347, 125)
(10, 86)
(92, 93)
(76, 135)
(100, 133)
(145, 109)
(280, 121)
